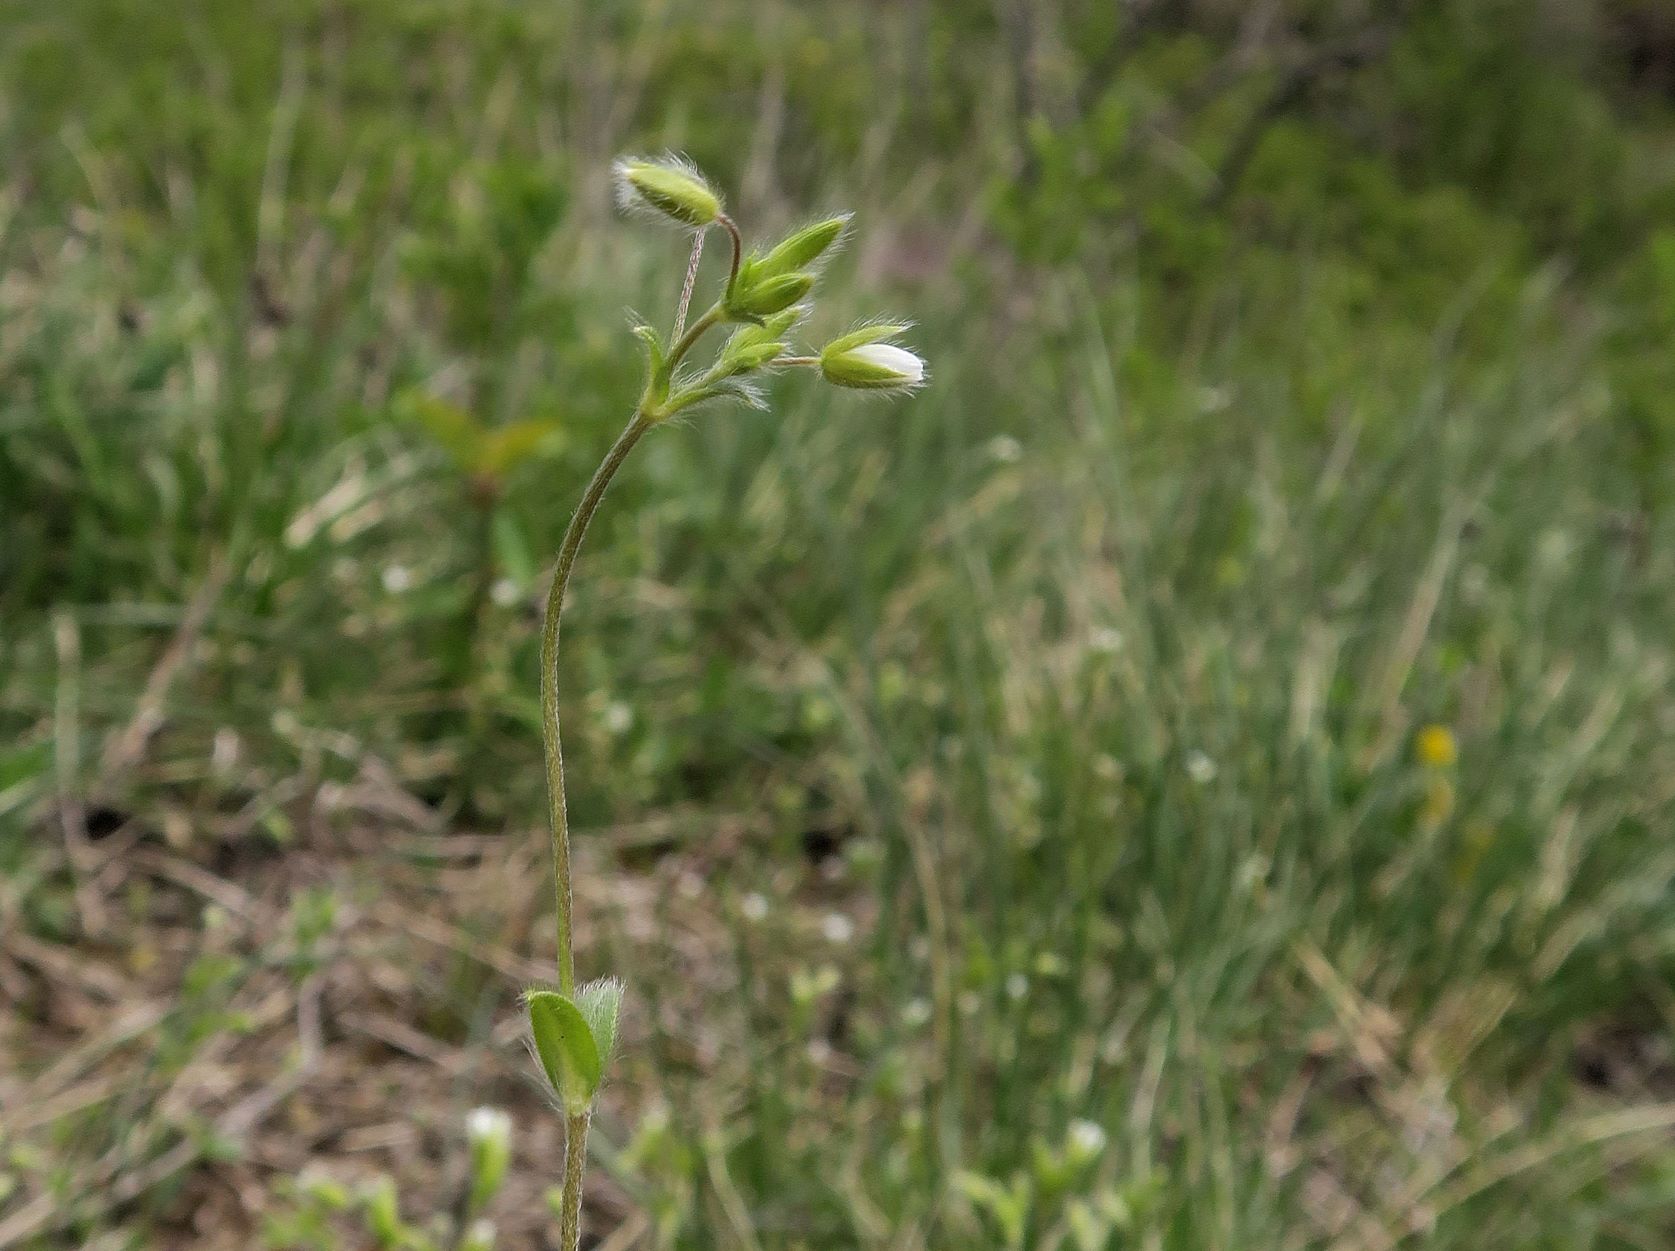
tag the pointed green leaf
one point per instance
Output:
(564, 1042)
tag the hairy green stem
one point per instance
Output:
(575, 1164)
(690, 338)
(575, 1147)
(549, 689)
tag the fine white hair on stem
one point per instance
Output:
(691, 282)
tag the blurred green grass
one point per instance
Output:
(1086, 684)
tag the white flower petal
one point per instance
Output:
(897, 360)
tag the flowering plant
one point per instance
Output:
(765, 299)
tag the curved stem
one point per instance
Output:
(549, 689)
(690, 338)
(732, 230)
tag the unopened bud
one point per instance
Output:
(668, 186)
(801, 248)
(859, 359)
(768, 296)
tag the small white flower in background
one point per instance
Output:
(915, 1012)
(754, 907)
(1017, 986)
(1106, 640)
(969, 1003)
(488, 1124)
(1005, 449)
(479, 1237)
(1554, 547)
(505, 592)
(819, 1052)
(1214, 399)
(1199, 767)
(397, 578)
(1086, 1140)
(837, 928)
(619, 717)
(489, 1133)
(223, 752)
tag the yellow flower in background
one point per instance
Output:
(1435, 746)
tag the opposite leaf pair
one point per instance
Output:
(574, 1039)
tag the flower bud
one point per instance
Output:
(669, 186)
(768, 296)
(489, 1132)
(861, 360)
(801, 248)
(754, 356)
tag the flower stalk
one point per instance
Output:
(574, 1027)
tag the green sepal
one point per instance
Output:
(719, 389)
(763, 297)
(872, 332)
(565, 1044)
(657, 365)
(654, 347)
(755, 356)
(753, 346)
(801, 248)
(743, 279)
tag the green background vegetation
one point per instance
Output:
(1302, 377)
